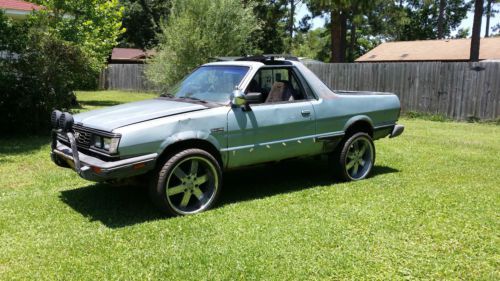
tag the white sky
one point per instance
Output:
(319, 22)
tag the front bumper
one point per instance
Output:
(95, 169)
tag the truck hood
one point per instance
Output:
(114, 117)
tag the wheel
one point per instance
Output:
(188, 183)
(354, 158)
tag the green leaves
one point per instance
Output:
(55, 51)
(94, 25)
(198, 30)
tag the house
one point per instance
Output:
(453, 50)
(17, 9)
(129, 56)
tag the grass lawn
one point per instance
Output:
(430, 211)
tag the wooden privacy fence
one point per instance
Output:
(124, 77)
(458, 90)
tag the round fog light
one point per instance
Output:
(54, 118)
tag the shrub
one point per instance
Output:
(198, 30)
(38, 71)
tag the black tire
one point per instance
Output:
(176, 192)
(349, 152)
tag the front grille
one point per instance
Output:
(83, 138)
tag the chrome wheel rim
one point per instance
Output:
(359, 159)
(191, 185)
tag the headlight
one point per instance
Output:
(106, 143)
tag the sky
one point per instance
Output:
(319, 22)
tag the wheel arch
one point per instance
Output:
(172, 147)
(360, 123)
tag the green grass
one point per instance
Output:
(94, 100)
(430, 211)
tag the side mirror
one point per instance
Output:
(253, 98)
(238, 98)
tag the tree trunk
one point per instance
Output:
(488, 17)
(343, 36)
(338, 36)
(291, 23)
(352, 43)
(442, 7)
(292, 17)
(476, 30)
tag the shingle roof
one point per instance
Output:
(130, 54)
(18, 5)
(126, 53)
(432, 50)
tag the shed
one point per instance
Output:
(129, 56)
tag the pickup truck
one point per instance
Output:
(222, 116)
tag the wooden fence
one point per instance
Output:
(457, 90)
(124, 77)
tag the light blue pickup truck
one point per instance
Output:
(222, 116)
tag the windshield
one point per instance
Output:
(210, 83)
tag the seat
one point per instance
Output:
(280, 91)
(254, 87)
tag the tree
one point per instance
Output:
(430, 19)
(345, 16)
(93, 25)
(442, 7)
(38, 70)
(198, 30)
(496, 28)
(476, 30)
(272, 15)
(141, 20)
(490, 12)
(291, 21)
(313, 44)
(462, 33)
(337, 10)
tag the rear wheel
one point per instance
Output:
(188, 183)
(354, 158)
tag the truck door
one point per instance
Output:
(281, 127)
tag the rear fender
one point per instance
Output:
(357, 118)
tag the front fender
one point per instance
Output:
(189, 135)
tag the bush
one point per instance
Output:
(38, 71)
(198, 30)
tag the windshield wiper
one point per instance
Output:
(166, 95)
(195, 99)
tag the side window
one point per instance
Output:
(277, 85)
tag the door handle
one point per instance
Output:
(306, 113)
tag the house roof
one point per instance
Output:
(130, 54)
(432, 50)
(18, 5)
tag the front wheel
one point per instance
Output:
(355, 158)
(188, 183)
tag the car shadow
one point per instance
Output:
(123, 206)
(288, 176)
